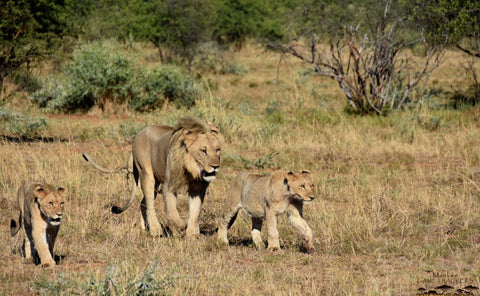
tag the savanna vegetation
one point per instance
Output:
(378, 99)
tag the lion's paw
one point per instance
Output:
(273, 248)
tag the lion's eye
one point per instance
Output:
(51, 203)
(303, 186)
(204, 150)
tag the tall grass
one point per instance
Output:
(396, 208)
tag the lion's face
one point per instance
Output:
(203, 155)
(300, 186)
(50, 203)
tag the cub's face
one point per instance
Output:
(51, 203)
(300, 186)
(203, 156)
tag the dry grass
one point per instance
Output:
(396, 208)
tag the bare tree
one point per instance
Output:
(375, 70)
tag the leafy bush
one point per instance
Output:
(18, 124)
(210, 57)
(168, 83)
(52, 89)
(100, 74)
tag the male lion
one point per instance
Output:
(264, 197)
(41, 209)
(172, 160)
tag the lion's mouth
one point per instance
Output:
(54, 221)
(209, 177)
(307, 200)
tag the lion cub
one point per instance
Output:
(41, 209)
(265, 198)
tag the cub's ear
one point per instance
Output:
(62, 191)
(306, 172)
(285, 183)
(40, 192)
(290, 175)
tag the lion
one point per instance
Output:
(172, 160)
(264, 197)
(41, 210)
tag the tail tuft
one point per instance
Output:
(117, 210)
(14, 227)
(86, 156)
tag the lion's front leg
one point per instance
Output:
(52, 232)
(195, 205)
(41, 246)
(273, 236)
(296, 219)
(175, 223)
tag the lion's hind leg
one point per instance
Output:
(272, 231)
(233, 204)
(227, 222)
(147, 182)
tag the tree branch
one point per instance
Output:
(473, 54)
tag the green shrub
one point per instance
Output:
(168, 82)
(52, 89)
(210, 57)
(17, 124)
(98, 74)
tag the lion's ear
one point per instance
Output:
(62, 191)
(188, 137)
(213, 127)
(40, 192)
(306, 172)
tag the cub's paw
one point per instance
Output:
(310, 249)
(48, 264)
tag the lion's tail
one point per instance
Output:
(118, 210)
(14, 227)
(128, 166)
